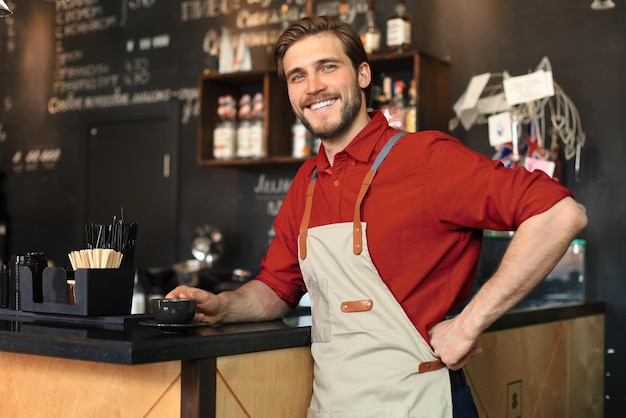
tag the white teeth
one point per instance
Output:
(322, 104)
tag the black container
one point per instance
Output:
(4, 286)
(14, 283)
(98, 292)
(36, 262)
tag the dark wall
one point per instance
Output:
(586, 50)
(119, 58)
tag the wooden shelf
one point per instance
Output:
(432, 77)
(253, 162)
(277, 114)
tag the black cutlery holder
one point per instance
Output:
(98, 292)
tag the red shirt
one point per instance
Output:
(425, 212)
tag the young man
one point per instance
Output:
(384, 231)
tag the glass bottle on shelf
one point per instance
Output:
(370, 34)
(343, 10)
(398, 94)
(384, 100)
(397, 108)
(243, 127)
(257, 147)
(218, 140)
(230, 131)
(399, 29)
(224, 139)
(410, 123)
(315, 147)
(301, 140)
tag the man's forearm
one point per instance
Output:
(537, 246)
(254, 301)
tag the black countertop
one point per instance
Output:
(128, 341)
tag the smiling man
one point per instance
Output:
(325, 89)
(384, 230)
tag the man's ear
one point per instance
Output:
(364, 74)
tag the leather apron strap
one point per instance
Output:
(357, 230)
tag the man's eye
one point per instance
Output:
(296, 77)
(328, 67)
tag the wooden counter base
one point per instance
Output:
(37, 386)
(276, 383)
(549, 370)
(554, 369)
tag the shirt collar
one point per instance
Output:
(362, 146)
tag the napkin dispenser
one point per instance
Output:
(97, 292)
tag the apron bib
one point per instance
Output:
(369, 360)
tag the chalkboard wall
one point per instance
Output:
(69, 65)
(73, 64)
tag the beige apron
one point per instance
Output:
(370, 361)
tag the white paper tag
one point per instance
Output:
(533, 164)
(492, 104)
(474, 90)
(465, 106)
(529, 87)
(467, 116)
(500, 129)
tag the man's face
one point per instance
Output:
(324, 89)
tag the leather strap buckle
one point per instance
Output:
(430, 366)
(357, 305)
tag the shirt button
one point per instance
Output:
(352, 163)
(336, 182)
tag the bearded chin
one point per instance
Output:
(330, 131)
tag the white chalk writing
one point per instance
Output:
(67, 57)
(331, 8)
(138, 4)
(3, 134)
(84, 84)
(9, 24)
(81, 86)
(70, 75)
(199, 9)
(267, 186)
(137, 71)
(35, 159)
(273, 206)
(188, 95)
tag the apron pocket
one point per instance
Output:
(320, 329)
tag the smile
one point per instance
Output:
(323, 104)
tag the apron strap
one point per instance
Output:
(357, 231)
(357, 234)
(304, 224)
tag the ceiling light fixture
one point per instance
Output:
(602, 4)
(4, 9)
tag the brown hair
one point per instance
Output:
(352, 45)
